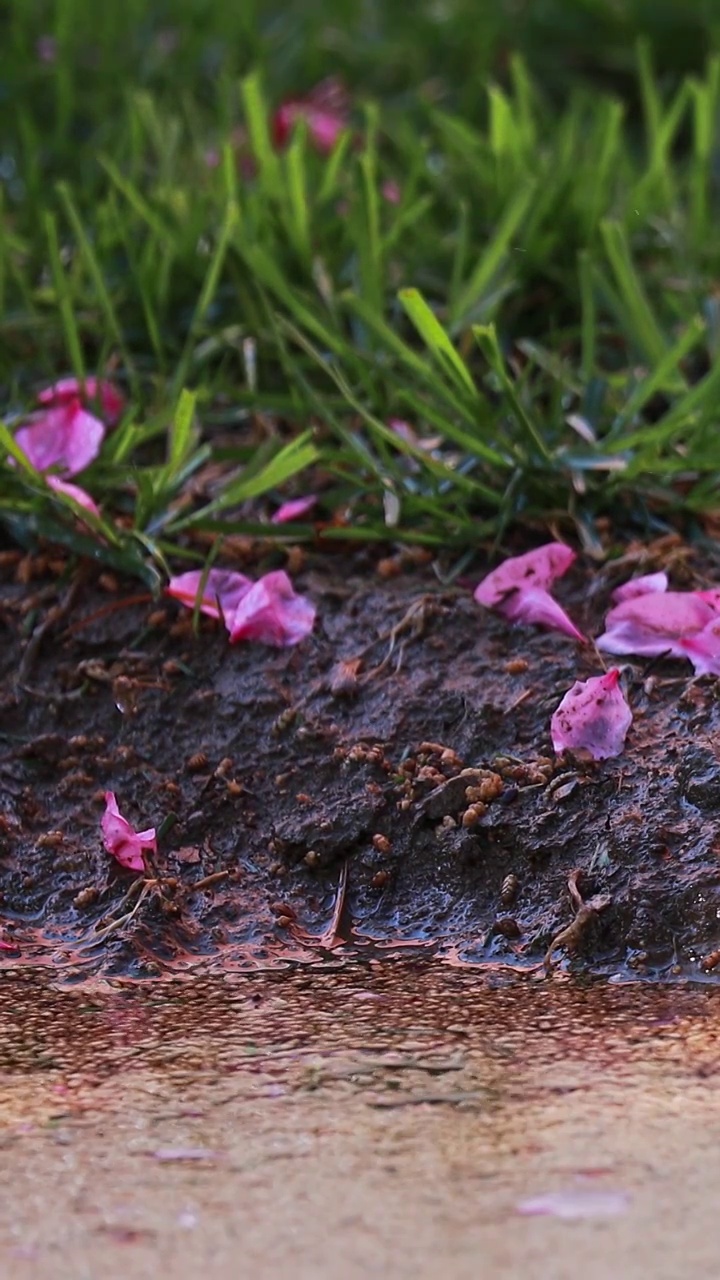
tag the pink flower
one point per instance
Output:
(94, 391)
(46, 49)
(268, 610)
(273, 613)
(649, 584)
(122, 841)
(326, 110)
(593, 715)
(518, 588)
(294, 509)
(73, 491)
(64, 436)
(391, 192)
(678, 623)
(223, 591)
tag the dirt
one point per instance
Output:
(398, 1119)
(316, 795)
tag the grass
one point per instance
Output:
(541, 305)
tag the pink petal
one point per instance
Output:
(391, 192)
(96, 391)
(7, 946)
(326, 110)
(223, 585)
(294, 509)
(593, 715)
(74, 491)
(272, 613)
(537, 608)
(654, 624)
(576, 1203)
(702, 649)
(649, 584)
(65, 436)
(518, 588)
(122, 841)
(538, 568)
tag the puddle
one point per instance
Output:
(391, 1119)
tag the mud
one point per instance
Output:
(322, 788)
(397, 1119)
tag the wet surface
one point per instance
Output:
(403, 1119)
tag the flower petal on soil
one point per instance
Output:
(703, 649)
(325, 109)
(660, 623)
(649, 584)
(122, 841)
(593, 715)
(222, 593)
(294, 509)
(518, 588)
(273, 613)
(66, 437)
(95, 391)
(74, 491)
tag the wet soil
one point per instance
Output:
(402, 1119)
(316, 799)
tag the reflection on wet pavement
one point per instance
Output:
(401, 1119)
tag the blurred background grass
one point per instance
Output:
(557, 168)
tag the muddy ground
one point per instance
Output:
(312, 799)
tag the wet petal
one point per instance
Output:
(518, 588)
(294, 509)
(537, 608)
(657, 623)
(703, 649)
(122, 841)
(649, 584)
(593, 715)
(273, 613)
(223, 587)
(94, 391)
(576, 1202)
(74, 491)
(65, 437)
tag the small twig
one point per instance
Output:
(106, 609)
(570, 936)
(53, 616)
(329, 937)
(208, 881)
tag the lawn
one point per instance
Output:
(487, 301)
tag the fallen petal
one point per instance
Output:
(294, 509)
(576, 1203)
(518, 588)
(122, 841)
(649, 584)
(657, 623)
(702, 649)
(222, 593)
(95, 391)
(538, 608)
(74, 491)
(65, 437)
(593, 715)
(273, 613)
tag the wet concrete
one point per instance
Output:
(395, 1120)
